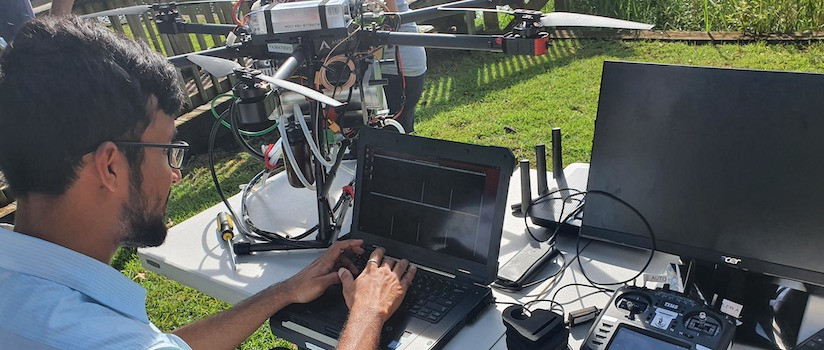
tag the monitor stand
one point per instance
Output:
(772, 309)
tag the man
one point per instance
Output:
(87, 146)
(405, 86)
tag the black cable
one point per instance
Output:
(506, 288)
(646, 224)
(277, 238)
(552, 302)
(233, 121)
(600, 289)
(563, 206)
(258, 234)
(211, 156)
(551, 241)
(565, 267)
(272, 237)
(213, 173)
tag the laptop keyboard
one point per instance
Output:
(430, 296)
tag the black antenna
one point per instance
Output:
(540, 163)
(557, 160)
(526, 187)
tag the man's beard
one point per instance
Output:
(142, 228)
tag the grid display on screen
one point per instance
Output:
(426, 204)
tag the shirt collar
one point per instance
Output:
(33, 256)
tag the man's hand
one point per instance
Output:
(380, 288)
(312, 281)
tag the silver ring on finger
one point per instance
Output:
(373, 260)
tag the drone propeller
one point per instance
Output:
(129, 10)
(220, 67)
(216, 66)
(567, 19)
(305, 91)
(141, 9)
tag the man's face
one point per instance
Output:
(144, 214)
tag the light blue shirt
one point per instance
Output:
(52, 297)
(413, 58)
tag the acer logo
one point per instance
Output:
(730, 260)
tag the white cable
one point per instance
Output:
(275, 154)
(315, 148)
(394, 123)
(289, 155)
(318, 156)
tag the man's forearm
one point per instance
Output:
(229, 328)
(392, 5)
(362, 331)
(61, 7)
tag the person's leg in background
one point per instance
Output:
(394, 97)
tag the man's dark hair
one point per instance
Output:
(66, 86)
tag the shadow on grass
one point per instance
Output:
(456, 78)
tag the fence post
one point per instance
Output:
(561, 5)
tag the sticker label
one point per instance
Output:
(731, 308)
(663, 318)
(648, 277)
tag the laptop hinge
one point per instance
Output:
(464, 276)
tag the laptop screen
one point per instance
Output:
(435, 195)
(430, 203)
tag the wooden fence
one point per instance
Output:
(201, 86)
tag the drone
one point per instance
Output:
(324, 83)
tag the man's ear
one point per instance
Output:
(109, 165)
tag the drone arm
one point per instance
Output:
(290, 65)
(203, 28)
(508, 44)
(440, 41)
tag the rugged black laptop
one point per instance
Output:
(439, 204)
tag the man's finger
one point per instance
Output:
(400, 268)
(348, 285)
(376, 258)
(354, 245)
(389, 262)
(337, 248)
(345, 262)
(328, 279)
(406, 280)
(345, 277)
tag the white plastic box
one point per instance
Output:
(300, 16)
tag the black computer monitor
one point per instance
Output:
(726, 165)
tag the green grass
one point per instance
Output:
(471, 97)
(476, 97)
(750, 16)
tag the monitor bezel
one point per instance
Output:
(642, 240)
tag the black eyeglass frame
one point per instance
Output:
(176, 145)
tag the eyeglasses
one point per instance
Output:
(175, 151)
